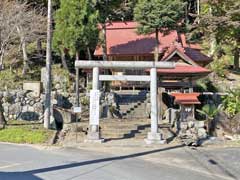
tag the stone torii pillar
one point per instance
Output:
(154, 137)
(93, 131)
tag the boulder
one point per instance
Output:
(202, 133)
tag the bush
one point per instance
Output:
(219, 66)
(231, 102)
(9, 80)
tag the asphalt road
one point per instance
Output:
(19, 162)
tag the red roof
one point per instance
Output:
(184, 69)
(123, 40)
(186, 98)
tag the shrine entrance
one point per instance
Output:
(154, 135)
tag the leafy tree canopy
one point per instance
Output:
(163, 15)
(221, 20)
(106, 9)
(76, 26)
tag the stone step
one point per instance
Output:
(130, 107)
(127, 135)
(135, 114)
(122, 123)
(112, 131)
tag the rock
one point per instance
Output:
(183, 126)
(190, 124)
(24, 108)
(199, 124)
(5, 93)
(38, 107)
(202, 133)
(228, 137)
(17, 100)
(34, 87)
(15, 109)
(21, 94)
(6, 107)
(31, 103)
(31, 108)
(58, 86)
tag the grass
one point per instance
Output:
(25, 132)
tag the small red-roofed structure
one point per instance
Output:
(186, 102)
(186, 98)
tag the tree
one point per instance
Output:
(192, 10)
(30, 27)
(19, 24)
(8, 25)
(76, 28)
(48, 86)
(125, 11)
(221, 20)
(106, 9)
(159, 16)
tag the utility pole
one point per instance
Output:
(48, 86)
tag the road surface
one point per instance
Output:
(19, 162)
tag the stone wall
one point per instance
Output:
(22, 104)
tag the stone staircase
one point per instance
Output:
(133, 104)
(114, 129)
(135, 129)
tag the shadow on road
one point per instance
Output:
(30, 175)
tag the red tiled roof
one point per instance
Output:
(121, 25)
(184, 69)
(122, 39)
(186, 98)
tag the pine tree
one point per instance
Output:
(159, 16)
(125, 11)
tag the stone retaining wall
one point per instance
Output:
(24, 105)
(21, 104)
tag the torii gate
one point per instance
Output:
(93, 133)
